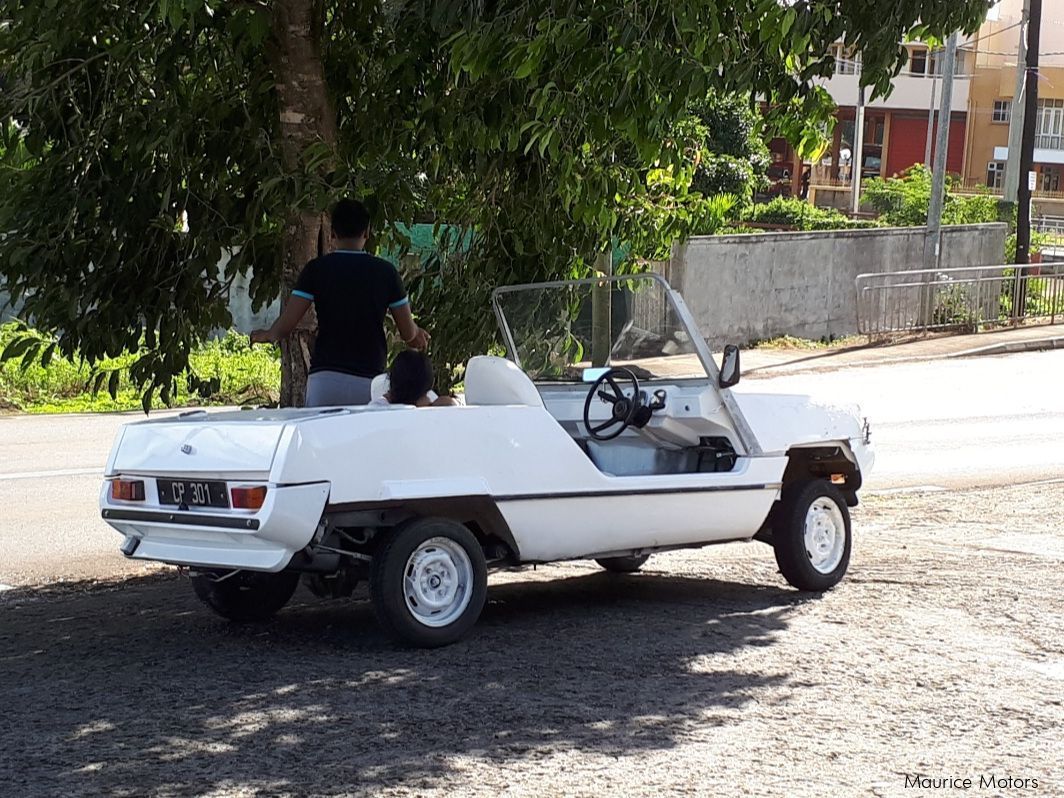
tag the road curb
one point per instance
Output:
(1013, 347)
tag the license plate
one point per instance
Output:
(192, 493)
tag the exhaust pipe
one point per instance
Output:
(316, 562)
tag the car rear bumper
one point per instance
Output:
(263, 540)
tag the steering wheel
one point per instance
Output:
(623, 410)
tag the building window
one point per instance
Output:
(928, 63)
(1002, 110)
(1049, 178)
(995, 174)
(959, 65)
(918, 62)
(1049, 130)
(847, 62)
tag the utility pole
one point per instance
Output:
(1030, 120)
(601, 304)
(858, 147)
(930, 119)
(933, 239)
(1016, 114)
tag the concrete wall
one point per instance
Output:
(743, 288)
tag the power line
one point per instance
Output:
(994, 52)
(999, 30)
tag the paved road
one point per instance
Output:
(50, 527)
(984, 421)
(953, 423)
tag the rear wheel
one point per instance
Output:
(246, 595)
(623, 565)
(429, 582)
(811, 535)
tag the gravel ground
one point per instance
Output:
(941, 654)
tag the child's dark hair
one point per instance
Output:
(350, 219)
(410, 377)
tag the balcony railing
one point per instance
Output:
(1049, 142)
(975, 185)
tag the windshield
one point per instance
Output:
(568, 332)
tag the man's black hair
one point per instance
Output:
(410, 377)
(350, 219)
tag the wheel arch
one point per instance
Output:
(478, 513)
(834, 461)
(828, 461)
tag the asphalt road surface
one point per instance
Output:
(953, 423)
(941, 424)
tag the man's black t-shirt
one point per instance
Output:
(351, 292)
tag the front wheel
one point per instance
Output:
(429, 582)
(811, 535)
(246, 595)
(623, 565)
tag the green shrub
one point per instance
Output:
(232, 370)
(801, 215)
(903, 201)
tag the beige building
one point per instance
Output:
(991, 102)
(897, 129)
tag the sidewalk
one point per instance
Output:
(767, 362)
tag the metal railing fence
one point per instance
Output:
(965, 299)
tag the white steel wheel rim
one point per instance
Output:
(438, 582)
(825, 535)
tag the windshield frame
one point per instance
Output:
(673, 297)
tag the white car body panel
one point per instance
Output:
(786, 421)
(282, 527)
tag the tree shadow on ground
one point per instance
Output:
(142, 691)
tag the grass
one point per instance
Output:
(245, 375)
(787, 342)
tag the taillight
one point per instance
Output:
(127, 490)
(248, 498)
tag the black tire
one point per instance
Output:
(623, 565)
(788, 535)
(246, 595)
(388, 587)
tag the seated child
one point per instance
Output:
(410, 383)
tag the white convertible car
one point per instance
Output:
(609, 434)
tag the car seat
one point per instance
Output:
(379, 387)
(382, 384)
(493, 380)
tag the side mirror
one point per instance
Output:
(729, 369)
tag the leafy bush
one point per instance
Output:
(904, 201)
(1043, 296)
(229, 369)
(801, 215)
(953, 306)
(733, 159)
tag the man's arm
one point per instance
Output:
(412, 335)
(294, 310)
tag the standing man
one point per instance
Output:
(351, 291)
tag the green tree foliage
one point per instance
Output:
(735, 158)
(546, 130)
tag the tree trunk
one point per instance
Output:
(307, 116)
